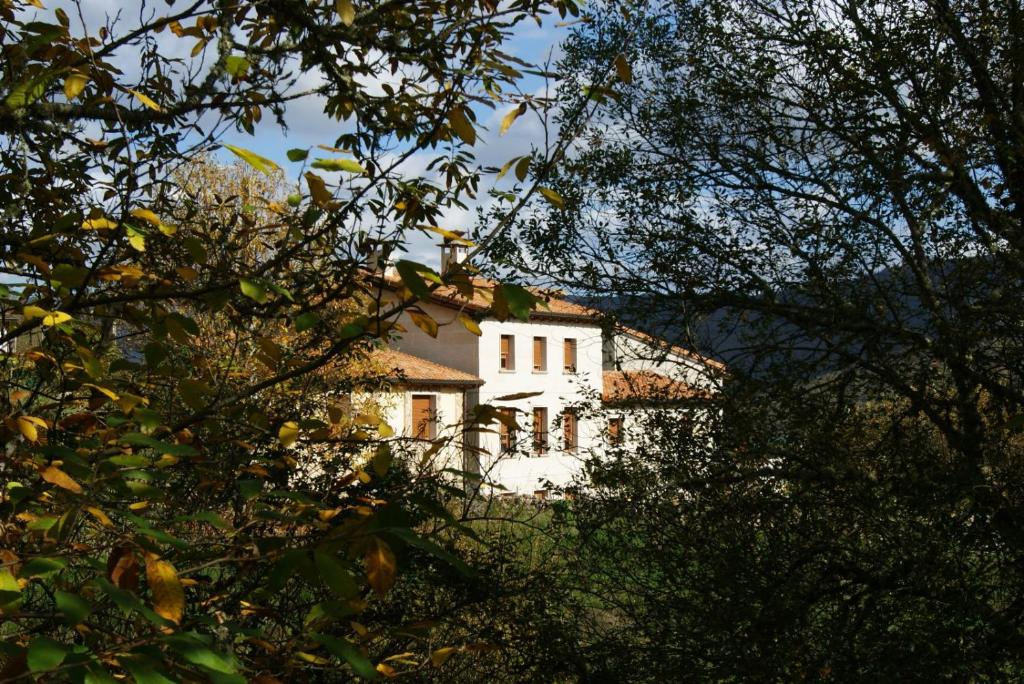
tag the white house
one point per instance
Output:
(566, 383)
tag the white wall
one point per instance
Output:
(632, 354)
(454, 346)
(526, 473)
(450, 407)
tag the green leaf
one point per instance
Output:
(523, 168)
(198, 653)
(74, 607)
(29, 91)
(193, 392)
(42, 566)
(254, 160)
(410, 274)
(335, 574)
(519, 300)
(10, 592)
(305, 321)
(350, 653)
(347, 165)
(236, 66)
(45, 654)
(196, 250)
(297, 154)
(142, 671)
(139, 439)
(253, 290)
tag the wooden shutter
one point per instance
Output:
(569, 353)
(506, 432)
(540, 430)
(569, 426)
(423, 417)
(539, 362)
(506, 352)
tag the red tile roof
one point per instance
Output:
(406, 369)
(633, 386)
(553, 305)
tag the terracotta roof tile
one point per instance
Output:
(554, 305)
(408, 369)
(631, 386)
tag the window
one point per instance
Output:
(540, 354)
(615, 430)
(540, 430)
(424, 416)
(569, 428)
(507, 429)
(569, 354)
(508, 353)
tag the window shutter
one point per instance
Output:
(569, 353)
(569, 426)
(423, 417)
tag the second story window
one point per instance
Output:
(507, 360)
(540, 431)
(570, 429)
(424, 416)
(569, 354)
(540, 354)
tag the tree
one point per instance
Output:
(832, 193)
(175, 349)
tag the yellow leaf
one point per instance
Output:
(56, 318)
(145, 100)
(424, 322)
(168, 594)
(146, 215)
(318, 189)
(289, 433)
(450, 234)
(511, 117)
(28, 429)
(137, 241)
(102, 390)
(469, 324)
(30, 312)
(460, 123)
(254, 160)
(99, 224)
(380, 565)
(102, 517)
(74, 84)
(56, 476)
(440, 656)
(553, 197)
(623, 69)
(346, 11)
(384, 430)
(123, 568)
(166, 229)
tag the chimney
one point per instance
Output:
(452, 252)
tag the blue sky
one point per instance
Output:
(307, 125)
